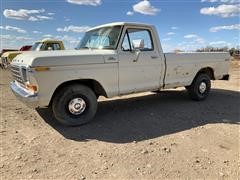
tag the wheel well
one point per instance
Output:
(92, 84)
(209, 71)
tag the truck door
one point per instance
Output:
(139, 62)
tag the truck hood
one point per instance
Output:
(6, 54)
(63, 57)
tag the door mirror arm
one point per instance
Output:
(137, 52)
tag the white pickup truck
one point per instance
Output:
(111, 60)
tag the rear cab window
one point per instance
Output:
(53, 46)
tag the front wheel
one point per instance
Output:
(74, 105)
(200, 88)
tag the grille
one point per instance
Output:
(16, 74)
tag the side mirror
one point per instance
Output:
(138, 44)
(50, 48)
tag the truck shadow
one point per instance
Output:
(151, 116)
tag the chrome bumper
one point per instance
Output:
(28, 98)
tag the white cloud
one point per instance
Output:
(22, 38)
(183, 46)
(145, 7)
(5, 37)
(37, 32)
(66, 19)
(223, 10)
(220, 43)
(217, 42)
(26, 14)
(171, 33)
(130, 13)
(50, 14)
(10, 41)
(222, 1)
(47, 36)
(231, 27)
(78, 29)
(166, 39)
(209, 0)
(195, 39)
(192, 45)
(68, 39)
(44, 18)
(12, 28)
(200, 40)
(33, 18)
(86, 2)
(174, 28)
(191, 36)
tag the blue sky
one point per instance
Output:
(185, 25)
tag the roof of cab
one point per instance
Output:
(49, 40)
(120, 24)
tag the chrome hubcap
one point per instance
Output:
(203, 87)
(77, 106)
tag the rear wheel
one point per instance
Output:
(200, 88)
(74, 105)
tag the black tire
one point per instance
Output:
(187, 87)
(61, 101)
(194, 90)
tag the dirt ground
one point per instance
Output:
(145, 136)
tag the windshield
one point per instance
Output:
(102, 38)
(37, 46)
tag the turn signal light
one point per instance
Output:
(32, 87)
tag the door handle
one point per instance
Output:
(154, 57)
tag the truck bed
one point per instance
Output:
(181, 67)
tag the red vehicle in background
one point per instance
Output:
(25, 48)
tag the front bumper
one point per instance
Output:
(25, 96)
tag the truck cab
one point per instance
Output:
(47, 45)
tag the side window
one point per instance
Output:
(53, 46)
(56, 46)
(140, 39)
(49, 46)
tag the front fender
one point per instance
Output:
(48, 81)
